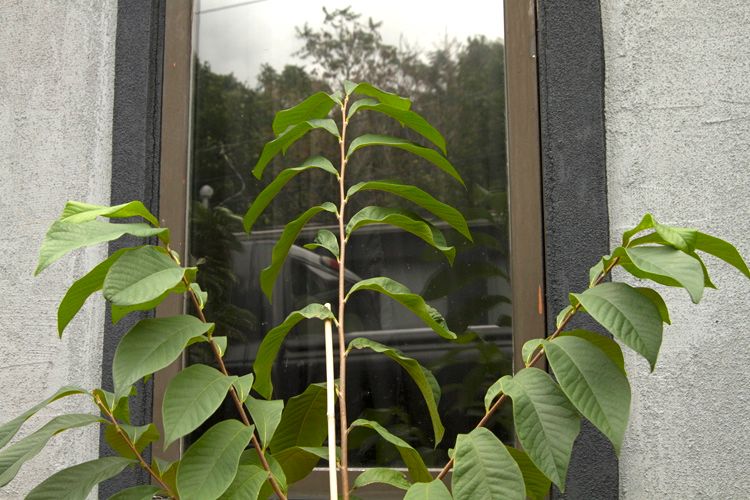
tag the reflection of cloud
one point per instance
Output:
(237, 40)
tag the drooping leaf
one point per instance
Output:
(370, 90)
(325, 239)
(381, 475)
(271, 343)
(291, 135)
(629, 316)
(64, 237)
(77, 212)
(281, 248)
(314, 107)
(484, 468)
(537, 484)
(413, 461)
(406, 221)
(209, 466)
(303, 421)
(546, 422)
(434, 490)
(140, 276)
(658, 301)
(266, 417)
(298, 461)
(405, 117)
(10, 428)
(665, 265)
(141, 492)
(269, 192)
(608, 346)
(401, 294)
(428, 154)
(192, 396)
(77, 482)
(421, 376)
(722, 250)
(493, 392)
(681, 238)
(246, 484)
(141, 436)
(595, 385)
(151, 345)
(243, 385)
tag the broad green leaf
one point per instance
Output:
(395, 217)
(325, 239)
(221, 344)
(303, 421)
(119, 312)
(493, 392)
(434, 490)
(419, 197)
(266, 417)
(77, 212)
(64, 237)
(10, 428)
(608, 346)
(545, 421)
(658, 301)
(284, 140)
(250, 457)
(413, 461)
(192, 396)
(314, 107)
(485, 469)
(593, 383)
(629, 316)
(596, 271)
(530, 348)
(77, 482)
(246, 484)
(381, 475)
(281, 248)
(723, 250)
(681, 238)
(406, 118)
(369, 90)
(298, 461)
(655, 238)
(537, 485)
(421, 376)
(271, 343)
(142, 492)
(141, 276)
(15, 455)
(269, 192)
(209, 466)
(141, 436)
(243, 385)
(562, 315)
(401, 294)
(151, 345)
(200, 295)
(665, 265)
(428, 154)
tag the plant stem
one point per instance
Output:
(538, 356)
(342, 307)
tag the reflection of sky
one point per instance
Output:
(237, 40)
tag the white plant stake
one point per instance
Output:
(330, 410)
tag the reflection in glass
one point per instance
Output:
(458, 85)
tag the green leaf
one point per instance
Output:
(723, 250)
(281, 249)
(530, 348)
(243, 385)
(381, 475)
(250, 457)
(151, 345)
(608, 346)
(64, 237)
(441, 210)
(78, 481)
(289, 137)
(421, 376)
(303, 421)
(266, 417)
(658, 301)
(595, 385)
(298, 461)
(200, 295)
(325, 239)
(10, 428)
(428, 154)
(401, 294)
(271, 343)
(142, 492)
(408, 222)
(485, 469)
(413, 461)
(665, 265)
(405, 117)
(546, 422)
(119, 312)
(629, 316)
(434, 490)
(15, 455)
(77, 212)
(314, 107)
(269, 192)
(562, 315)
(369, 90)
(246, 484)
(537, 484)
(141, 436)
(192, 396)
(221, 344)
(140, 276)
(209, 466)
(681, 238)
(494, 391)
(594, 273)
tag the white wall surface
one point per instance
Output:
(56, 94)
(677, 101)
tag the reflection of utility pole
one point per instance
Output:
(205, 193)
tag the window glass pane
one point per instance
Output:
(256, 58)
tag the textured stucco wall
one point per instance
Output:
(56, 85)
(677, 106)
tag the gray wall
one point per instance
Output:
(677, 101)
(57, 66)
